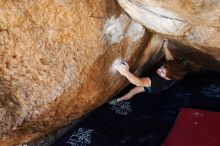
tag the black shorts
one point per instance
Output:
(147, 89)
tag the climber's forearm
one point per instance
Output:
(168, 54)
(144, 82)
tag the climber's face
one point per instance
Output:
(162, 72)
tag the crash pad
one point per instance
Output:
(195, 127)
(147, 119)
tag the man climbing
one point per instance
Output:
(162, 79)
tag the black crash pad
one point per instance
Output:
(146, 119)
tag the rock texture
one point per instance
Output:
(55, 60)
(56, 55)
(196, 23)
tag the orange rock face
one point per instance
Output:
(56, 56)
(55, 62)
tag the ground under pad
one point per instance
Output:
(195, 128)
(146, 119)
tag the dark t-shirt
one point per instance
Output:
(158, 83)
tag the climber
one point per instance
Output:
(165, 76)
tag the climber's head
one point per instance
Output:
(172, 70)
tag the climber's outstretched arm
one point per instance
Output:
(141, 82)
(123, 69)
(168, 54)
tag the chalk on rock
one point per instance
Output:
(115, 62)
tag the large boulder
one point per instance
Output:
(56, 56)
(195, 23)
(55, 61)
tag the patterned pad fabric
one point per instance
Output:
(146, 119)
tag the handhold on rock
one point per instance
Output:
(116, 62)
